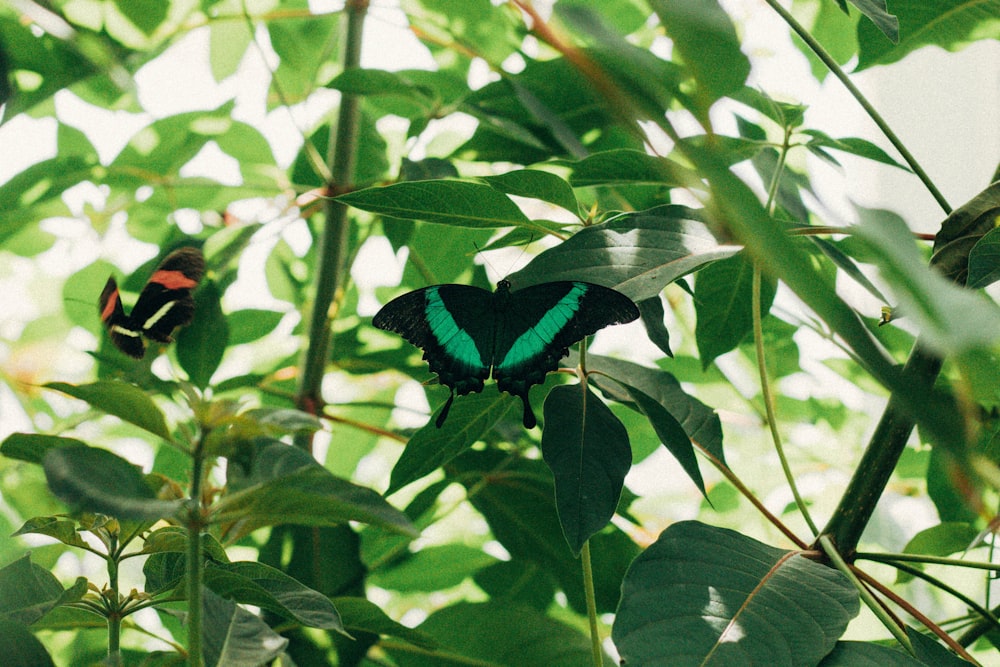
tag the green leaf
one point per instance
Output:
(20, 647)
(301, 40)
(950, 24)
(95, 480)
(63, 530)
(636, 253)
(651, 312)
(250, 324)
(431, 447)
(706, 40)
(723, 301)
(28, 591)
(869, 654)
(201, 344)
(32, 447)
(125, 401)
(622, 166)
(491, 633)
(951, 319)
(879, 15)
(943, 539)
(517, 498)
(587, 449)
(146, 15)
(443, 202)
(306, 495)
(984, 260)
(536, 184)
(432, 569)
(700, 422)
(362, 615)
(234, 636)
(263, 586)
(671, 433)
(854, 146)
(733, 600)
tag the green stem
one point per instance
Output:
(588, 589)
(772, 419)
(115, 615)
(334, 243)
(866, 596)
(886, 445)
(194, 562)
(873, 113)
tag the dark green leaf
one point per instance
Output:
(625, 165)
(699, 421)
(536, 185)
(950, 24)
(879, 15)
(733, 600)
(984, 260)
(234, 636)
(636, 253)
(64, 530)
(587, 449)
(651, 312)
(28, 591)
(95, 480)
(125, 401)
(443, 201)
(200, 345)
(265, 587)
(670, 432)
(362, 615)
(867, 654)
(723, 295)
(431, 447)
(943, 539)
(308, 496)
(20, 647)
(498, 634)
(706, 40)
(32, 447)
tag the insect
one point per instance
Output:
(164, 304)
(468, 333)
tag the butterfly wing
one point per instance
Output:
(453, 324)
(165, 303)
(123, 333)
(536, 326)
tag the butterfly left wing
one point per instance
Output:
(453, 325)
(538, 325)
(120, 328)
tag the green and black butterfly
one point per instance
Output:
(466, 332)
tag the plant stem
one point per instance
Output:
(856, 93)
(333, 252)
(194, 562)
(830, 549)
(886, 445)
(588, 589)
(115, 616)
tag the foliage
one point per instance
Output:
(269, 489)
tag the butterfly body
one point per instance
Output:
(469, 334)
(164, 304)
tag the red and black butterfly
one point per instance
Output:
(164, 304)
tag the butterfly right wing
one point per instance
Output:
(453, 325)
